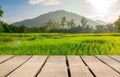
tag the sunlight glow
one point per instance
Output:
(101, 6)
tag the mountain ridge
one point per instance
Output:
(55, 16)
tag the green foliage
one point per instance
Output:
(59, 44)
(84, 22)
(63, 21)
(1, 12)
(117, 25)
(32, 38)
(6, 39)
(22, 29)
(1, 28)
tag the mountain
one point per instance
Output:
(101, 22)
(56, 17)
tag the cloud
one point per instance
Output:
(33, 2)
(44, 2)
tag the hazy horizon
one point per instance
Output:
(17, 10)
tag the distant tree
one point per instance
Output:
(41, 29)
(14, 29)
(83, 23)
(117, 24)
(1, 14)
(71, 24)
(68, 24)
(88, 29)
(1, 27)
(49, 25)
(6, 28)
(22, 29)
(33, 29)
(56, 25)
(110, 28)
(63, 21)
(100, 28)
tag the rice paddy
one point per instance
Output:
(59, 44)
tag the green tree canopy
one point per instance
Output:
(117, 24)
(22, 29)
(63, 21)
(1, 12)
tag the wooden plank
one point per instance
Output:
(111, 62)
(99, 68)
(54, 67)
(77, 67)
(116, 57)
(4, 58)
(12, 64)
(30, 68)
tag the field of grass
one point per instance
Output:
(59, 44)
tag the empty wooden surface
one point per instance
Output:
(99, 68)
(55, 67)
(78, 68)
(12, 64)
(4, 58)
(111, 62)
(116, 58)
(30, 68)
(59, 66)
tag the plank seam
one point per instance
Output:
(88, 67)
(18, 66)
(68, 67)
(114, 59)
(41, 67)
(7, 59)
(108, 65)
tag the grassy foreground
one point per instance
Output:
(59, 44)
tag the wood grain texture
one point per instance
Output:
(116, 57)
(59, 66)
(111, 62)
(78, 68)
(4, 58)
(99, 68)
(54, 67)
(30, 68)
(10, 65)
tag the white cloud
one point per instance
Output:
(33, 2)
(44, 2)
(51, 2)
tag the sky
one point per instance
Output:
(18, 10)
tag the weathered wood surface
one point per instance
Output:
(59, 66)
(4, 58)
(116, 57)
(78, 68)
(99, 68)
(12, 64)
(54, 67)
(111, 62)
(30, 68)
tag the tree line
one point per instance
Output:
(64, 26)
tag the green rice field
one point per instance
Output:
(59, 44)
